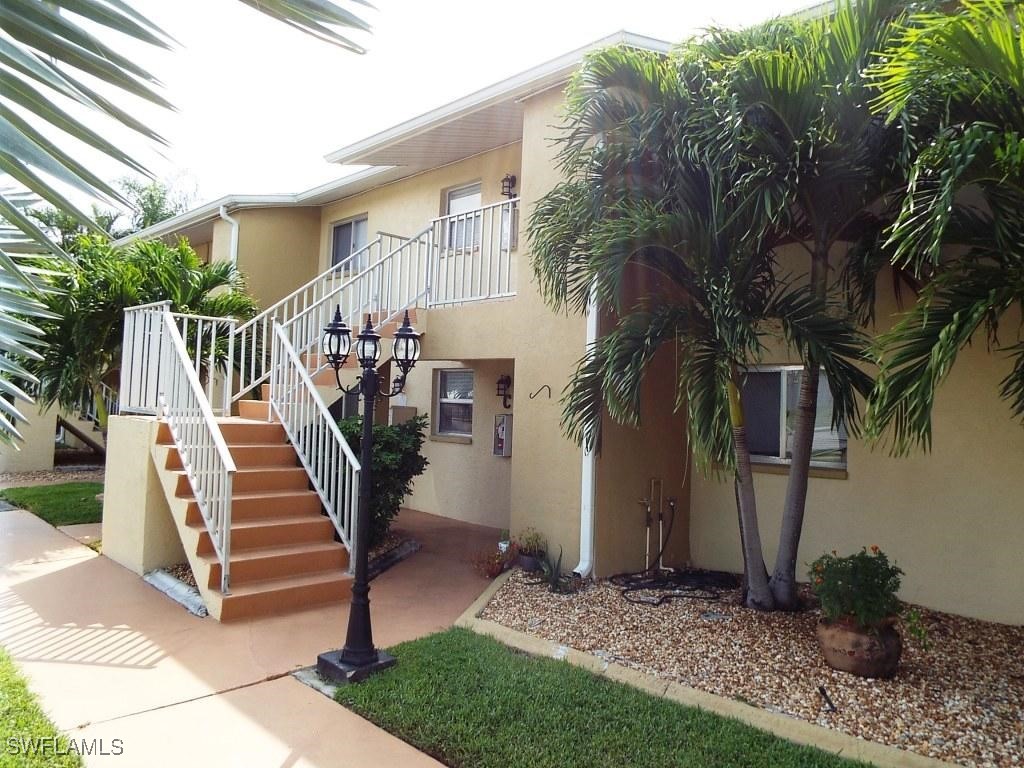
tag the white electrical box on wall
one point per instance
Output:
(503, 434)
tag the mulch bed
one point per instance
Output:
(962, 700)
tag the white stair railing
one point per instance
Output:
(325, 454)
(204, 453)
(474, 255)
(253, 337)
(140, 357)
(210, 345)
(384, 289)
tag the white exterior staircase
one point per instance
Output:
(265, 501)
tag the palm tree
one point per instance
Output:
(47, 56)
(957, 80)
(647, 226)
(818, 168)
(81, 348)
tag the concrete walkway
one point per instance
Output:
(112, 658)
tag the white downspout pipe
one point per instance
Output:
(234, 233)
(589, 469)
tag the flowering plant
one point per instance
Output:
(861, 587)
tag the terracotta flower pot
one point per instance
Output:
(865, 652)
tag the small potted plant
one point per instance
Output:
(532, 550)
(857, 630)
(490, 563)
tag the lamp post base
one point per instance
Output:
(330, 666)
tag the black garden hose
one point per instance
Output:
(674, 583)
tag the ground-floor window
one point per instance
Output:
(770, 396)
(453, 412)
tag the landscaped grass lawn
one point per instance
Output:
(21, 718)
(62, 504)
(471, 702)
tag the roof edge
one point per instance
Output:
(544, 75)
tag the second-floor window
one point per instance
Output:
(770, 396)
(347, 238)
(464, 228)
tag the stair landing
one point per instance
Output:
(284, 556)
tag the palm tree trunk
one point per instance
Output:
(758, 594)
(783, 581)
(101, 409)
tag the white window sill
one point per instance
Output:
(452, 438)
(779, 468)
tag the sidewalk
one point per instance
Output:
(111, 658)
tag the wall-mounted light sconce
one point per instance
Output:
(505, 391)
(508, 186)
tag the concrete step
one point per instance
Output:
(249, 456)
(237, 431)
(280, 562)
(256, 479)
(263, 504)
(259, 410)
(270, 532)
(260, 598)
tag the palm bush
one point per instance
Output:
(649, 227)
(82, 336)
(956, 80)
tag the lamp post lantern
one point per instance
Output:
(359, 658)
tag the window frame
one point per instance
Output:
(780, 460)
(351, 221)
(439, 400)
(452, 235)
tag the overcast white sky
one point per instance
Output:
(259, 105)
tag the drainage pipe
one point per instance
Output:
(234, 233)
(589, 469)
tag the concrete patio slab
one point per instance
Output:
(100, 646)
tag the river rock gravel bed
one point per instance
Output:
(961, 700)
(69, 474)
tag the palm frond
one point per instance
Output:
(48, 52)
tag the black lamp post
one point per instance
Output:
(359, 658)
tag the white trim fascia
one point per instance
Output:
(537, 78)
(212, 211)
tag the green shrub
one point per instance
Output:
(861, 586)
(397, 459)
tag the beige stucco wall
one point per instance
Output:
(952, 519)
(202, 251)
(405, 207)
(220, 242)
(138, 530)
(464, 480)
(543, 475)
(35, 452)
(277, 249)
(630, 458)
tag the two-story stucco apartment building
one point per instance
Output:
(436, 222)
